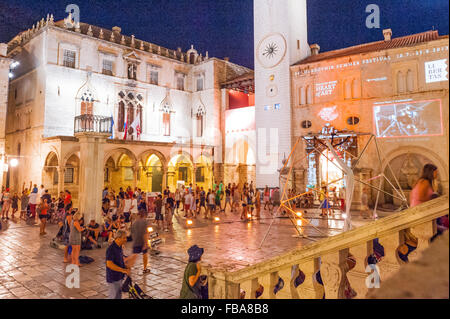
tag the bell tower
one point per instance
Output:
(281, 39)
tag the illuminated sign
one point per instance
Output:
(329, 114)
(324, 89)
(408, 119)
(377, 59)
(436, 71)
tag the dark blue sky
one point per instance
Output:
(225, 27)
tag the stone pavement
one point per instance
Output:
(30, 268)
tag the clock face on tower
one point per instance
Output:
(271, 50)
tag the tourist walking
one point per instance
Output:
(266, 197)
(139, 234)
(24, 199)
(117, 266)
(158, 211)
(14, 205)
(227, 198)
(258, 204)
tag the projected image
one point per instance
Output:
(408, 119)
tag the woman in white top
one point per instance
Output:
(134, 209)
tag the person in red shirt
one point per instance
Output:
(43, 215)
(67, 201)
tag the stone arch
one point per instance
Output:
(50, 171)
(180, 168)
(117, 152)
(422, 152)
(143, 157)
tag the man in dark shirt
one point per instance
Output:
(139, 234)
(117, 265)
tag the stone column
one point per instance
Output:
(61, 179)
(135, 172)
(194, 175)
(91, 177)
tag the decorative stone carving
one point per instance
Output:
(410, 170)
(100, 35)
(142, 46)
(112, 39)
(132, 41)
(89, 32)
(122, 40)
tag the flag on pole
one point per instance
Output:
(112, 127)
(136, 125)
(125, 128)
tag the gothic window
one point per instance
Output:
(410, 81)
(347, 89)
(355, 89)
(121, 116)
(166, 124)
(309, 95)
(132, 70)
(107, 67)
(130, 113)
(87, 102)
(302, 93)
(400, 82)
(69, 58)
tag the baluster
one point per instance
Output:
(357, 276)
(332, 274)
(307, 290)
(250, 287)
(268, 281)
(390, 263)
(423, 232)
(219, 288)
(287, 291)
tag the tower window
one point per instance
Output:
(200, 83)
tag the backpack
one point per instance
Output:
(85, 259)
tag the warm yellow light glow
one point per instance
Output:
(14, 162)
(299, 222)
(189, 232)
(189, 222)
(299, 214)
(150, 229)
(344, 216)
(216, 219)
(249, 215)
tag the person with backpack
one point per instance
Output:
(191, 286)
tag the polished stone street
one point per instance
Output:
(30, 268)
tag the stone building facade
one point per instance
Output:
(167, 108)
(395, 89)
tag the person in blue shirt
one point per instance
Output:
(117, 265)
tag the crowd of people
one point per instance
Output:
(126, 218)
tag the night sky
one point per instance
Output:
(225, 27)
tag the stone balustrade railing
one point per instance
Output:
(329, 267)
